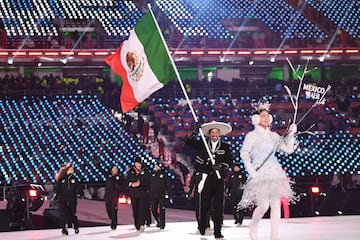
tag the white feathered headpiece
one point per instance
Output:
(258, 107)
(261, 105)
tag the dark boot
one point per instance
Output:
(65, 232)
(218, 236)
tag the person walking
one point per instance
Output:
(112, 191)
(67, 190)
(138, 181)
(211, 186)
(160, 192)
(268, 182)
(236, 186)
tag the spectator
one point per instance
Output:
(337, 183)
(156, 128)
(145, 130)
(140, 124)
(161, 145)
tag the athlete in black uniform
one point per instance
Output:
(236, 186)
(67, 191)
(160, 192)
(112, 191)
(139, 180)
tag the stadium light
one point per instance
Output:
(33, 193)
(10, 60)
(64, 60)
(315, 189)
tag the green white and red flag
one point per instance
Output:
(143, 62)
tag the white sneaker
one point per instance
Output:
(142, 228)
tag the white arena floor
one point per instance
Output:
(309, 228)
(181, 225)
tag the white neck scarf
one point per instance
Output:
(214, 145)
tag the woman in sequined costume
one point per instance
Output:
(268, 182)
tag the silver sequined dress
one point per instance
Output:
(270, 181)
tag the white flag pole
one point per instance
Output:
(185, 93)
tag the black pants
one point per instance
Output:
(140, 209)
(211, 200)
(234, 200)
(111, 210)
(148, 211)
(197, 212)
(158, 210)
(68, 214)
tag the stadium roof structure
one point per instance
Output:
(183, 57)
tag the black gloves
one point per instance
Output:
(217, 167)
(170, 198)
(188, 196)
(196, 129)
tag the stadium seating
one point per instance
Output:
(205, 18)
(42, 19)
(321, 155)
(344, 14)
(40, 134)
(36, 18)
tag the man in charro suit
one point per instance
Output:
(211, 186)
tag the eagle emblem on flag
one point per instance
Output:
(135, 65)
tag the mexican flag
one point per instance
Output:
(142, 62)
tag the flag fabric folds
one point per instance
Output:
(143, 63)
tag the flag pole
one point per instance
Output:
(184, 91)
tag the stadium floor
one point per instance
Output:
(313, 228)
(181, 225)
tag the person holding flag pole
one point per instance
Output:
(212, 174)
(145, 65)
